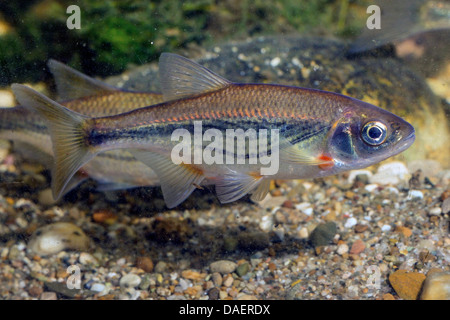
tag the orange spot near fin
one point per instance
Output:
(328, 162)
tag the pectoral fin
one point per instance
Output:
(293, 154)
(177, 181)
(234, 185)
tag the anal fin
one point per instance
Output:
(177, 181)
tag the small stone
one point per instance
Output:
(228, 281)
(160, 267)
(342, 249)
(223, 266)
(436, 211)
(407, 232)
(217, 279)
(87, 259)
(359, 228)
(98, 287)
(303, 233)
(436, 287)
(214, 294)
(415, 194)
(386, 227)
(35, 291)
(48, 296)
(242, 269)
(357, 247)
(144, 263)
(350, 222)
(192, 275)
(130, 281)
(105, 216)
(407, 284)
(390, 173)
(446, 206)
(388, 296)
(56, 237)
(323, 234)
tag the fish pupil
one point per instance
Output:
(375, 133)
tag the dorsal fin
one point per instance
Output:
(180, 77)
(72, 84)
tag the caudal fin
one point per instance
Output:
(66, 129)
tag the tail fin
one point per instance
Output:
(66, 129)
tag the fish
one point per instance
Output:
(192, 138)
(117, 169)
(401, 20)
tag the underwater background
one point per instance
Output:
(380, 233)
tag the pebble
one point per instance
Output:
(407, 284)
(415, 194)
(390, 173)
(371, 187)
(342, 249)
(446, 206)
(357, 247)
(407, 232)
(214, 294)
(217, 279)
(350, 222)
(223, 266)
(98, 287)
(87, 259)
(192, 275)
(242, 269)
(228, 281)
(130, 281)
(48, 296)
(436, 211)
(160, 267)
(144, 263)
(386, 227)
(323, 234)
(56, 237)
(436, 287)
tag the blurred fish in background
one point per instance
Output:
(418, 32)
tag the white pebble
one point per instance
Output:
(342, 249)
(98, 287)
(130, 281)
(350, 222)
(435, 211)
(266, 223)
(415, 194)
(56, 237)
(275, 61)
(390, 173)
(371, 187)
(386, 227)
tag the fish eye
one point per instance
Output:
(374, 133)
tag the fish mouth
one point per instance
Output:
(407, 141)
